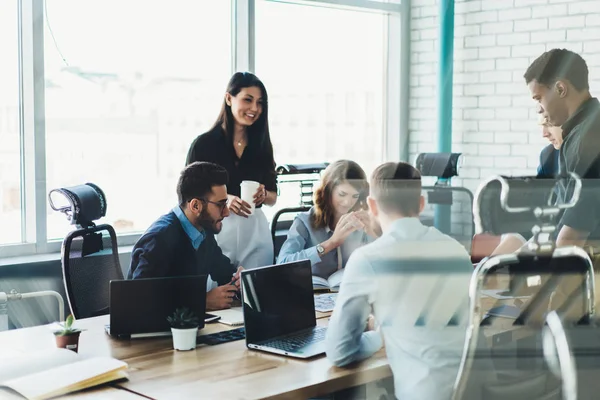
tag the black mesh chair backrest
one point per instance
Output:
(458, 203)
(87, 273)
(295, 184)
(89, 259)
(491, 217)
(280, 225)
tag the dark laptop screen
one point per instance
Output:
(142, 305)
(278, 300)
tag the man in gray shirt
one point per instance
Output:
(414, 279)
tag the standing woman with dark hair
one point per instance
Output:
(240, 142)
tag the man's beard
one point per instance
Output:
(208, 223)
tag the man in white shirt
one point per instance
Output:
(414, 279)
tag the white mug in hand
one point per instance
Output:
(248, 189)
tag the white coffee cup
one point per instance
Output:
(249, 189)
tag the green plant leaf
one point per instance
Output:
(183, 318)
(69, 322)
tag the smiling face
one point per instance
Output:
(551, 101)
(246, 106)
(344, 198)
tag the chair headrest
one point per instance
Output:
(441, 165)
(85, 203)
(289, 169)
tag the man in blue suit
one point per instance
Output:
(182, 242)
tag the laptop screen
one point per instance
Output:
(142, 305)
(278, 300)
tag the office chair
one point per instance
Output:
(448, 208)
(89, 259)
(559, 279)
(305, 175)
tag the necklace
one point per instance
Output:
(239, 143)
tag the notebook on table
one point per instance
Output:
(232, 316)
(139, 307)
(279, 310)
(332, 283)
(45, 374)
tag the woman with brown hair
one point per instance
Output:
(336, 225)
(240, 142)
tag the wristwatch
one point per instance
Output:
(320, 249)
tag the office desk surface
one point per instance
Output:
(232, 371)
(222, 371)
(228, 370)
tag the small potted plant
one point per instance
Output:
(68, 337)
(184, 327)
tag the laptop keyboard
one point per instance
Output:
(295, 342)
(325, 302)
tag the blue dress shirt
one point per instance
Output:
(196, 236)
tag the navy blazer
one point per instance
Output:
(166, 250)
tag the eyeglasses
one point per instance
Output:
(220, 204)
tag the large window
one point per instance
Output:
(113, 92)
(10, 182)
(326, 84)
(129, 85)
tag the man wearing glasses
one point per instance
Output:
(182, 242)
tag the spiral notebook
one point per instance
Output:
(233, 316)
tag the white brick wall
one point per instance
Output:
(494, 122)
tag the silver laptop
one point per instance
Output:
(279, 310)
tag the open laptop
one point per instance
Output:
(279, 310)
(139, 307)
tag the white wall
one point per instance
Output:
(494, 119)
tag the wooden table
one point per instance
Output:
(226, 371)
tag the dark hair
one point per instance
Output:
(259, 138)
(557, 64)
(341, 171)
(397, 188)
(197, 180)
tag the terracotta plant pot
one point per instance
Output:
(69, 342)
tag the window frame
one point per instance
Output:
(32, 102)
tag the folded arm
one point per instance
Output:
(294, 247)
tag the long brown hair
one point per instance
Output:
(259, 138)
(341, 171)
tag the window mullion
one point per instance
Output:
(244, 35)
(32, 114)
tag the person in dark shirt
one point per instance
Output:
(558, 81)
(240, 142)
(182, 242)
(547, 169)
